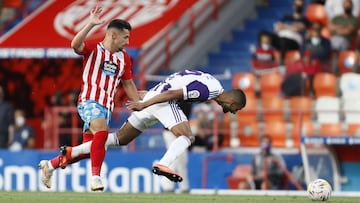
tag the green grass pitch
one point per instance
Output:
(67, 197)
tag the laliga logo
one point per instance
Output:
(138, 12)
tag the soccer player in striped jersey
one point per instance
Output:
(105, 66)
(160, 105)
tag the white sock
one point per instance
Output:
(176, 148)
(112, 140)
(84, 148)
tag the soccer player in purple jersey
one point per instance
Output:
(160, 105)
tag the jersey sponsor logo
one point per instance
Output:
(139, 12)
(193, 94)
(110, 68)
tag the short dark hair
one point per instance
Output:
(240, 95)
(119, 24)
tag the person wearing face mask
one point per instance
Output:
(343, 28)
(318, 46)
(24, 136)
(289, 31)
(266, 170)
(264, 54)
(335, 7)
(6, 121)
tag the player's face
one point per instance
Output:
(230, 107)
(121, 38)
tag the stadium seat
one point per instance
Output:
(273, 109)
(346, 62)
(330, 129)
(239, 174)
(245, 81)
(350, 85)
(292, 55)
(351, 110)
(249, 113)
(325, 84)
(270, 85)
(327, 109)
(300, 108)
(316, 13)
(277, 130)
(353, 129)
(325, 32)
(299, 129)
(249, 134)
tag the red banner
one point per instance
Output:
(54, 24)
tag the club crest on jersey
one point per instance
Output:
(95, 111)
(193, 94)
(110, 68)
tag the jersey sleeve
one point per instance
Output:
(196, 92)
(88, 48)
(128, 67)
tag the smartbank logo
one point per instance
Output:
(77, 178)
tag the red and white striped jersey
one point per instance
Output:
(102, 72)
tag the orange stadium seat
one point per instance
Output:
(300, 108)
(245, 81)
(316, 13)
(277, 130)
(353, 129)
(299, 129)
(273, 109)
(270, 85)
(325, 32)
(346, 62)
(292, 55)
(249, 134)
(325, 84)
(249, 113)
(330, 129)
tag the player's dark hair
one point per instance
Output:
(240, 95)
(119, 24)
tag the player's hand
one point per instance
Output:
(95, 14)
(135, 105)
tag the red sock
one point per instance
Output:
(97, 151)
(55, 162)
(87, 137)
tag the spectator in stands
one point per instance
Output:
(335, 8)
(264, 54)
(318, 47)
(8, 9)
(322, 2)
(267, 169)
(24, 134)
(299, 76)
(356, 67)
(290, 30)
(343, 28)
(204, 115)
(6, 121)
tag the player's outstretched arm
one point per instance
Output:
(78, 42)
(163, 97)
(131, 90)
